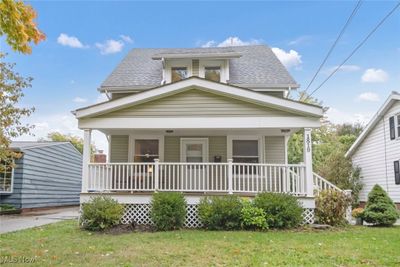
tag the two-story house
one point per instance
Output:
(202, 121)
(377, 151)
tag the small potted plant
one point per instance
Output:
(357, 213)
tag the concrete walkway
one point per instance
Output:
(10, 223)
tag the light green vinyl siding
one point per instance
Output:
(216, 147)
(119, 148)
(195, 103)
(275, 149)
(195, 67)
(171, 149)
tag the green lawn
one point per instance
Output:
(65, 244)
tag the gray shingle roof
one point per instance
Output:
(258, 65)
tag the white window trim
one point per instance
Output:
(259, 138)
(396, 126)
(184, 63)
(133, 138)
(12, 182)
(193, 140)
(215, 63)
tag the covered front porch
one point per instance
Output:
(218, 161)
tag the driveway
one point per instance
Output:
(10, 223)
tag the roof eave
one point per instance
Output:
(375, 119)
(309, 110)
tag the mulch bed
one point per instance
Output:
(129, 228)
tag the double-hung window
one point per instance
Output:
(146, 150)
(398, 125)
(397, 172)
(245, 151)
(6, 176)
(394, 126)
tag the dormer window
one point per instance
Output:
(212, 73)
(214, 70)
(178, 73)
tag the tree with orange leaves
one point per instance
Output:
(17, 22)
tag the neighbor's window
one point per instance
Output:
(146, 150)
(6, 176)
(398, 125)
(392, 128)
(397, 172)
(178, 73)
(245, 151)
(212, 73)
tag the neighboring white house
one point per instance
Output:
(199, 121)
(377, 150)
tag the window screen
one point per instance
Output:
(146, 150)
(245, 151)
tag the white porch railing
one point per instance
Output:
(197, 177)
(321, 183)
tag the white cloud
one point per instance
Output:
(368, 96)
(289, 59)
(110, 47)
(345, 68)
(236, 41)
(126, 39)
(374, 76)
(79, 100)
(336, 116)
(211, 43)
(301, 40)
(70, 41)
(231, 41)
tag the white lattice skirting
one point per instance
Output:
(139, 213)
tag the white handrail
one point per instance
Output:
(226, 177)
(321, 183)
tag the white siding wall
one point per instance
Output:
(375, 156)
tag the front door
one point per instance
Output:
(194, 151)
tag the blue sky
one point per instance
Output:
(67, 71)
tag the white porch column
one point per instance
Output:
(307, 154)
(86, 158)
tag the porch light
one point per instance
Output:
(169, 131)
(150, 170)
(285, 130)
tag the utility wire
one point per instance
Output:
(358, 47)
(358, 5)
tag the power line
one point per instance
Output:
(358, 5)
(357, 47)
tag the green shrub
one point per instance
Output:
(6, 207)
(221, 213)
(168, 210)
(331, 206)
(282, 210)
(380, 209)
(253, 218)
(101, 213)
